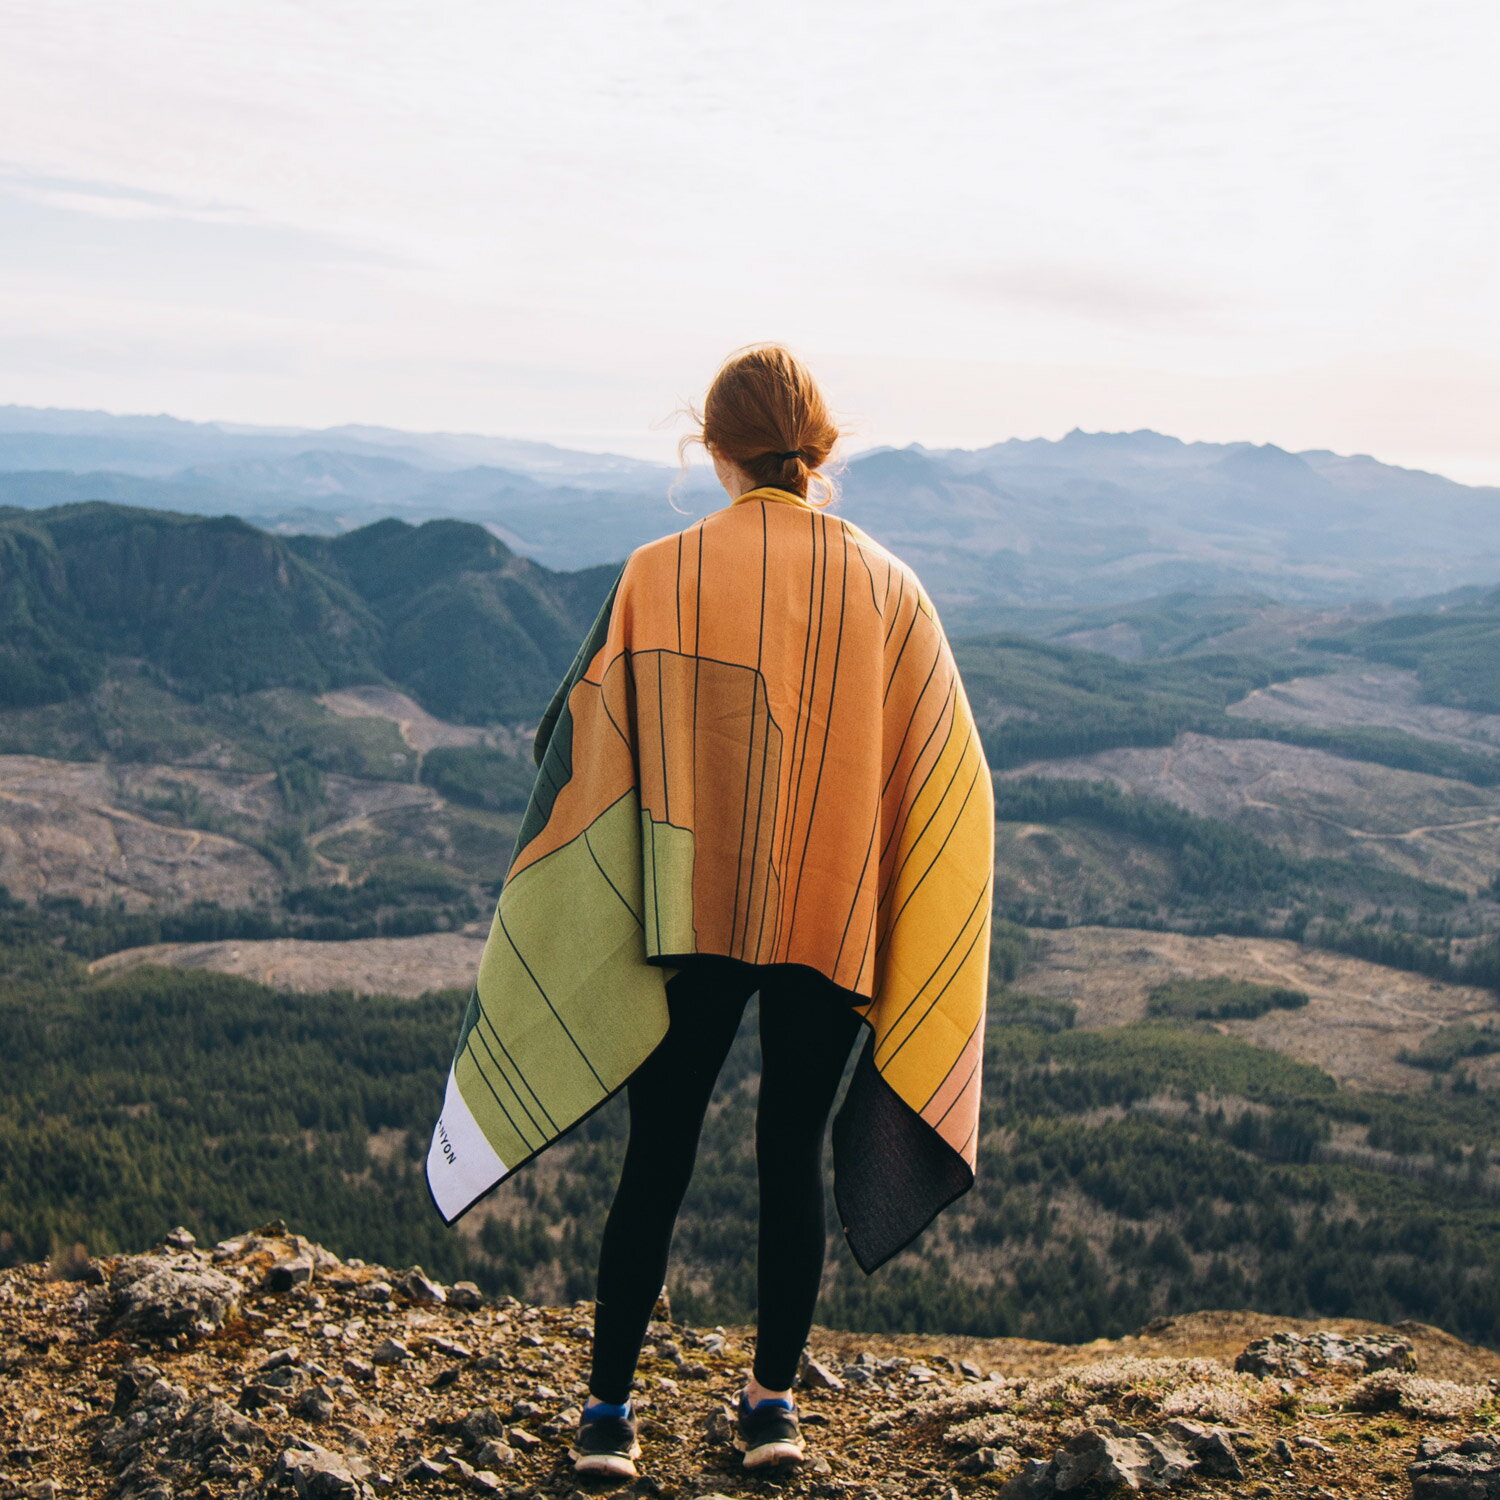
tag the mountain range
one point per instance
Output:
(1088, 519)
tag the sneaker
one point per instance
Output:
(768, 1432)
(606, 1441)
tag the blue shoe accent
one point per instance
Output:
(764, 1402)
(606, 1409)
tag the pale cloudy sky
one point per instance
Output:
(979, 219)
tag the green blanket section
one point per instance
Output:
(554, 1027)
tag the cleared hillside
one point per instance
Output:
(1311, 803)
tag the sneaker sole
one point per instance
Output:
(766, 1454)
(615, 1465)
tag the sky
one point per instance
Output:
(1272, 222)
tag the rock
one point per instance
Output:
(969, 1368)
(981, 1461)
(165, 1438)
(719, 1426)
(1468, 1470)
(465, 1296)
(417, 1285)
(493, 1454)
(478, 1425)
(1210, 1446)
(423, 1471)
(316, 1404)
(279, 1386)
(180, 1239)
(818, 1376)
(1297, 1353)
(297, 1270)
(375, 1291)
(1107, 1455)
(154, 1296)
(522, 1439)
(1034, 1482)
(309, 1472)
(390, 1352)
(130, 1382)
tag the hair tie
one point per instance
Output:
(795, 453)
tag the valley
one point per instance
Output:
(1244, 1043)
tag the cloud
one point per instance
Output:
(51, 212)
(1096, 292)
(108, 200)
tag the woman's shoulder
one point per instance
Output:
(877, 553)
(662, 552)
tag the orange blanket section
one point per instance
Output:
(777, 684)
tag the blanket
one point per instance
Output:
(762, 750)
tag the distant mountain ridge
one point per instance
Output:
(1084, 520)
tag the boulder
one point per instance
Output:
(162, 1296)
(1467, 1470)
(1102, 1458)
(308, 1472)
(1296, 1354)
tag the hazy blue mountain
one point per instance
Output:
(1087, 520)
(50, 438)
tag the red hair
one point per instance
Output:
(764, 404)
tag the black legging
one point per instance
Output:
(807, 1029)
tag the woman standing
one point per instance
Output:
(761, 773)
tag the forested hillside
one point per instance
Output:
(215, 605)
(1125, 1172)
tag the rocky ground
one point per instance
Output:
(266, 1367)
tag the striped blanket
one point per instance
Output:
(763, 749)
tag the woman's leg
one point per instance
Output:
(806, 1033)
(669, 1095)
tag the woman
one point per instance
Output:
(761, 773)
